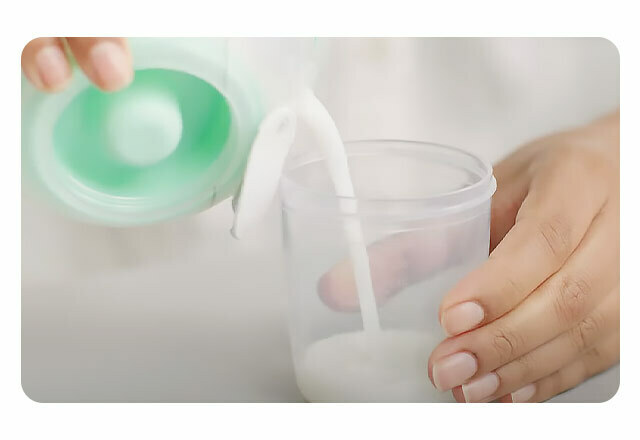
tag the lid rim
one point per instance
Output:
(105, 208)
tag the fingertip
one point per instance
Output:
(337, 289)
(52, 68)
(112, 65)
(45, 65)
(106, 61)
(462, 318)
(523, 394)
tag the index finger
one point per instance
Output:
(106, 61)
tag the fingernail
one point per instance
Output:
(111, 65)
(52, 66)
(462, 317)
(481, 388)
(452, 370)
(523, 394)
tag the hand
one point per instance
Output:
(106, 62)
(542, 314)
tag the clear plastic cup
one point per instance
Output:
(424, 210)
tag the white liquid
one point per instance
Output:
(317, 116)
(390, 366)
(373, 365)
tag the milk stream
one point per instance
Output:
(330, 141)
(371, 365)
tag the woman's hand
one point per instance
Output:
(542, 314)
(105, 61)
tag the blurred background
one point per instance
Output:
(181, 311)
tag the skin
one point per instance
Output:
(549, 292)
(550, 288)
(107, 62)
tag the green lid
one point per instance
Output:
(175, 141)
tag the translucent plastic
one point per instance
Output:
(173, 142)
(425, 213)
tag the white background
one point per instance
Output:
(581, 18)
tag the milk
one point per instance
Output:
(373, 364)
(368, 365)
(321, 123)
(390, 366)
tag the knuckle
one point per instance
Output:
(572, 298)
(505, 344)
(586, 332)
(555, 234)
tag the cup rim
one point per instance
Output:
(459, 199)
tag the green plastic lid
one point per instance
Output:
(175, 141)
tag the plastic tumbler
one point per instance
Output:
(424, 210)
